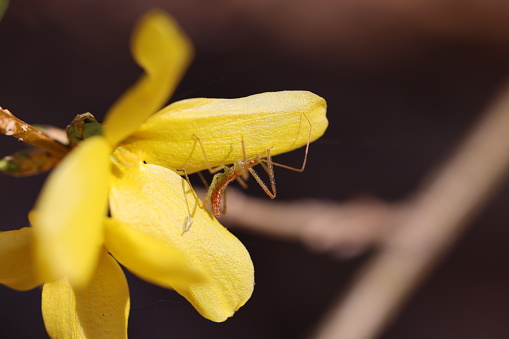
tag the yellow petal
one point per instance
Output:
(150, 258)
(69, 213)
(17, 269)
(164, 52)
(98, 311)
(264, 120)
(151, 198)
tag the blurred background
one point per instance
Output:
(404, 82)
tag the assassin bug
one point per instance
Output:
(240, 171)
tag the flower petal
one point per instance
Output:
(17, 269)
(264, 120)
(150, 258)
(164, 52)
(151, 198)
(98, 311)
(69, 214)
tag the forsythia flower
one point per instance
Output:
(131, 168)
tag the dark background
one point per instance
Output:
(404, 81)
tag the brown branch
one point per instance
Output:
(438, 215)
(342, 229)
(11, 125)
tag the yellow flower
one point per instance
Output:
(131, 170)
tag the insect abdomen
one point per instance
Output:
(219, 183)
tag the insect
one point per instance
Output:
(240, 171)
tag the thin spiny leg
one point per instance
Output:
(189, 219)
(307, 145)
(271, 194)
(203, 181)
(270, 171)
(242, 183)
(244, 173)
(203, 151)
(209, 167)
(305, 152)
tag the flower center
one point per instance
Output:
(124, 157)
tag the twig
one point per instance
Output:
(342, 229)
(438, 215)
(10, 125)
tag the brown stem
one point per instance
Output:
(11, 125)
(341, 229)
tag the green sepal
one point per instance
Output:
(82, 127)
(28, 162)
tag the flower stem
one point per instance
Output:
(11, 125)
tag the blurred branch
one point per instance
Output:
(344, 230)
(439, 213)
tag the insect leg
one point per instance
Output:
(270, 171)
(211, 170)
(202, 178)
(243, 171)
(270, 192)
(242, 183)
(189, 219)
(301, 169)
